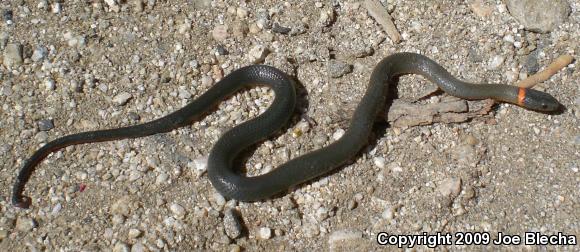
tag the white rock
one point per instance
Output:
(496, 62)
(379, 162)
(346, 239)
(242, 12)
(135, 175)
(39, 54)
(161, 178)
(258, 54)
(122, 98)
(134, 233)
(177, 210)
(56, 8)
(343, 235)
(56, 209)
(450, 186)
(219, 199)
(186, 26)
(121, 247)
(49, 84)
(139, 247)
(117, 219)
(338, 134)
(390, 211)
(111, 3)
(122, 206)
(206, 80)
(200, 164)
(25, 224)
(13, 55)
(220, 33)
(42, 4)
(321, 213)
(509, 38)
(265, 233)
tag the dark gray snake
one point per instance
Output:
(221, 159)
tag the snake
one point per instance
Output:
(222, 171)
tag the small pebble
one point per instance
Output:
(183, 93)
(45, 125)
(200, 164)
(341, 236)
(221, 50)
(117, 219)
(471, 140)
(480, 9)
(49, 84)
(265, 233)
(337, 68)
(25, 224)
(134, 233)
(39, 54)
(233, 224)
(219, 199)
(56, 209)
(13, 55)
(121, 206)
(56, 8)
(8, 15)
(220, 33)
(134, 116)
(277, 28)
(310, 230)
(121, 247)
(258, 54)
(177, 210)
(139, 247)
(351, 204)
(122, 98)
(138, 6)
(242, 12)
(389, 212)
(450, 187)
(379, 162)
(465, 154)
(326, 17)
(531, 63)
(496, 62)
(161, 178)
(42, 4)
(338, 134)
(206, 80)
(3, 234)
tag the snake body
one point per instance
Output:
(221, 170)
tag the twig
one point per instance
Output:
(552, 69)
(380, 14)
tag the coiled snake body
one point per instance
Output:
(221, 159)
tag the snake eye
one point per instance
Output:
(544, 106)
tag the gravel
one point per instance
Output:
(73, 66)
(233, 223)
(45, 125)
(13, 55)
(265, 233)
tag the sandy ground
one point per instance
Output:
(109, 64)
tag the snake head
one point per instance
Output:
(540, 101)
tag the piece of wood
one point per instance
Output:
(452, 110)
(380, 14)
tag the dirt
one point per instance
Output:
(118, 63)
